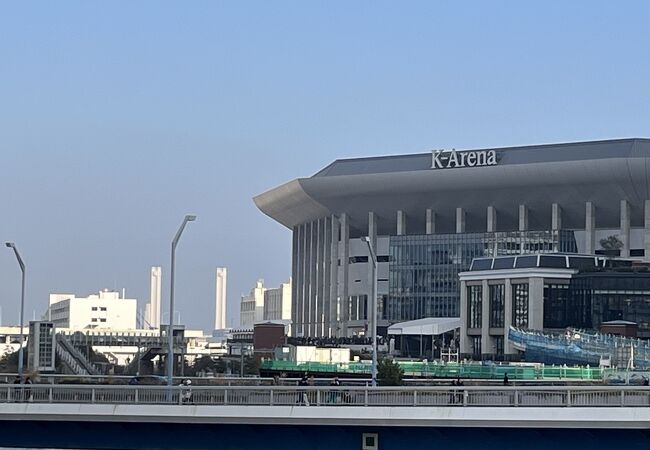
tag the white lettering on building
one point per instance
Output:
(451, 159)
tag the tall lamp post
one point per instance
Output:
(22, 309)
(170, 332)
(373, 308)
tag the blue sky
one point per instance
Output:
(117, 118)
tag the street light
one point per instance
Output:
(373, 308)
(22, 308)
(170, 332)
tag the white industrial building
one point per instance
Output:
(252, 306)
(277, 302)
(265, 304)
(106, 309)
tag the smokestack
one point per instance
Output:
(220, 298)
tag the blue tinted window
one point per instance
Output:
(503, 263)
(526, 262)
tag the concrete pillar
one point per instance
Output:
(460, 220)
(646, 230)
(334, 278)
(401, 223)
(431, 221)
(556, 217)
(590, 228)
(507, 317)
(625, 228)
(491, 219)
(523, 218)
(556, 224)
(464, 340)
(536, 304)
(486, 345)
(344, 276)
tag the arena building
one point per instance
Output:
(429, 215)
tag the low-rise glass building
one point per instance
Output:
(547, 292)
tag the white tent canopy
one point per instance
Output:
(429, 326)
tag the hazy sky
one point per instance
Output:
(117, 118)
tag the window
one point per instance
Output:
(498, 346)
(102, 308)
(520, 305)
(358, 259)
(504, 263)
(497, 303)
(94, 308)
(558, 262)
(474, 306)
(93, 319)
(102, 320)
(482, 264)
(476, 347)
(526, 262)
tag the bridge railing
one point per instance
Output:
(474, 396)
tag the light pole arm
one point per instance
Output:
(170, 332)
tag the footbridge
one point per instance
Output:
(229, 417)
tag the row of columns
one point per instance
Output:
(556, 223)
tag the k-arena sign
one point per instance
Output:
(450, 159)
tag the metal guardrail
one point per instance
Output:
(331, 396)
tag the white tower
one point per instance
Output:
(153, 316)
(220, 300)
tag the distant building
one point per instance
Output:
(220, 298)
(103, 310)
(252, 306)
(277, 302)
(152, 309)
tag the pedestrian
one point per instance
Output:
(186, 392)
(334, 393)
(506, 381)
(302, 394)
(28, 389)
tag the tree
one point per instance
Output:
(611, 243)
(389, 373)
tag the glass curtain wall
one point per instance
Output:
(497, 305)
(474, 306)
(423, 269)
(520, 305)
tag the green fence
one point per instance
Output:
(432, 370)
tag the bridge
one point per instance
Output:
(101, 416)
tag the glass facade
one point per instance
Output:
(474, 306)
(566, 307)
(520, 305)
(423, 269)
(497, 305)
(606, 296)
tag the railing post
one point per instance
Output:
(568, 397)
(622, 397)
(49, 395)
(516, 398)
(8, 393)
(318, 397)
(136, 395)
(271, 398)
(225, 396)
(92, 395)
(415, 398)
(365, 400)
(465, 397)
